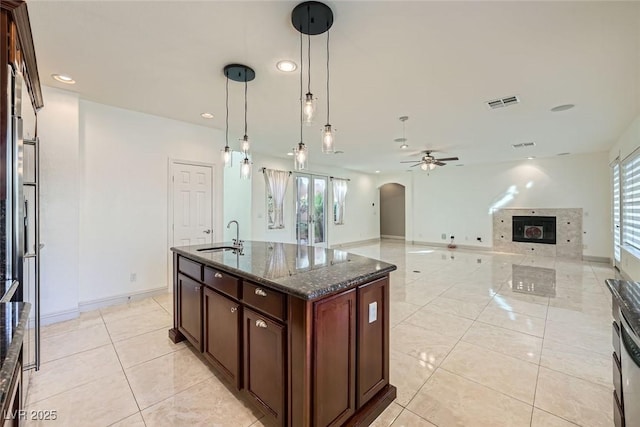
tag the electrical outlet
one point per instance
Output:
(133, 277)
(444, 236)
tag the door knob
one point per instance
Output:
(207, 231)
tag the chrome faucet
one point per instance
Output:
(236, 242)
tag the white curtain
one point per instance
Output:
(339, 196)
(277, 182)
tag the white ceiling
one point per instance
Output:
(437, 62)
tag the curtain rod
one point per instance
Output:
(335, 177)
(264, 169)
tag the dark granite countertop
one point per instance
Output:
(627, 295)
(13, 320)
(305, 272)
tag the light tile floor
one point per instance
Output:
(477, 339)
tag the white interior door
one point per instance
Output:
(192, 204)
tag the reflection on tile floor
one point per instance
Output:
(477, 339)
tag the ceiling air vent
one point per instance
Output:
(523, 145)
(503, 102)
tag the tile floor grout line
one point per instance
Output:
(535, 389)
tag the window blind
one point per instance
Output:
(616, 211)
(631, 201)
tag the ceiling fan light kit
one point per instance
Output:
(428, 162)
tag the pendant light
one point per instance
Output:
(300, 152)
(403, 140)
(226, 151)
(328, 134)
(313, 18)
(244, 74)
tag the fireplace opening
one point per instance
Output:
(534, 229)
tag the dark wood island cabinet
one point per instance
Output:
(303, 332)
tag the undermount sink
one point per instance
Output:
(217, 248)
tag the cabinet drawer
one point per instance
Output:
(264, 299)
(190, 268)
(222, 282)
(618, 413)
(617, 376)
(615, 338)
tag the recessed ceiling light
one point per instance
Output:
(530, 158)
(63, 78)
(564, 154)
(289, 154)
(286, 66)
(564, 107)
(206, 115)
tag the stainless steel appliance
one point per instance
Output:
(21, 249)
(630, 364)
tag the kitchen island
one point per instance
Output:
(303, 332)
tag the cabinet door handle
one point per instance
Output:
(261, 323)
(234, 309)
(197, 288)
(218, 276)
(260, 292)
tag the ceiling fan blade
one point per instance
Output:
(439, 163)
(417, 164)
(448, 159)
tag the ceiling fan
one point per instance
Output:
(428, 162)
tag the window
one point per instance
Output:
(339, 196)
(631, 201)
(616, 210)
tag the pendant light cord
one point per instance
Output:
(301, 85)
(309, 49)
(226, 138)
(328, 77)
(245, 102)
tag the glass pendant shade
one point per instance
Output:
(245, 168)
(226, 156)
(244, 145)
(431, 166)
(328, 139)
(308, 109)
(301, 155)
(424, 166)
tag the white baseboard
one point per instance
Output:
(59, 316)
(445, 245)
(602, 259)
(120, 299)
(387, 236)
(356, 243)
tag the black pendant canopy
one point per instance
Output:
(239, 73)
(312, 17)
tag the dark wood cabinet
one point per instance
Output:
(221, 344)
(373, 339)
(301, 362)
(264, 364)
(189, 315)
(335, 371)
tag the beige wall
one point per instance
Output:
(392, 209)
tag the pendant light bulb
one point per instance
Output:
(309, 109)
(245, 169)
(328, 137)
(226, 156)
(424, 166)
(301, 157)
(244, 145)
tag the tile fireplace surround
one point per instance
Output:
(568, 233)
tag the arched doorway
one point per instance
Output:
(392, 211)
